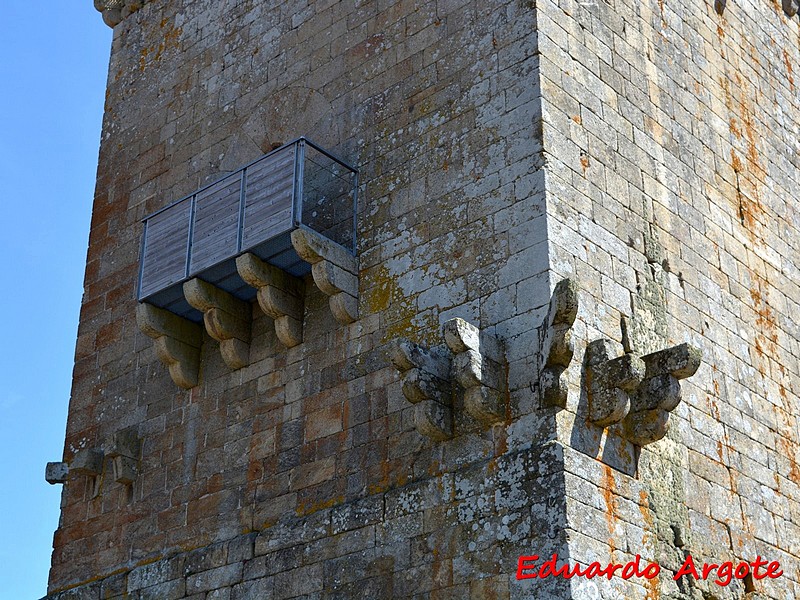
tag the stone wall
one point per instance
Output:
(671, 144)
(278, 475)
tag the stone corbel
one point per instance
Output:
(123, 450)
(280, 296)
(425, 377)
(114, 11)
(177, 342)
(56, 472)
(610, 382)
(479, 368)
(334, 269)
(790, 7)
(659, 393)
(557, 346)
(89, 463)
(227, 320)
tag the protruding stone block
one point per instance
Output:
(610, 382)
(659, 393)
(88, 461)
(791, 7)
(124, 443)
(478, 367)
(227, 320)
(123, 448)
(425, 383)
(177, 342)
(56, 472)
(557, 347)
(334, 269)
(280, 296)
(125, 469)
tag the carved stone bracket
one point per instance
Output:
(557, 347)
(334, 269)
(89, 463)
(123, 450)
(177, 342)
(227, 320)
(659, 393)
(479, 368)
(280, 296)
(610, 382)
(791, 7)
(426, 383)
(56, 472)
(114, 11)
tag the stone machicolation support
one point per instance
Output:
(177, 342)
(659, 393)
(334, 269)
(114, 11)
(280, 296)
(639, 392)
(227, 320)
(425, 377)
(120, 452)
(479, 368)
(557, 347)
(473, 360)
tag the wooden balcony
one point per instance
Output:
(253, 210)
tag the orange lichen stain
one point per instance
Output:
(303, 509)
(577, 119)
(608, 487)
(584, 163)
(788, 70)
(171, 40)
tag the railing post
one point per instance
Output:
(142, 250)
(242, 197)
(191, 235)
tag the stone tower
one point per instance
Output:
(566, 321)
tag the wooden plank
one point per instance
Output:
(164, 260)
(216, 222)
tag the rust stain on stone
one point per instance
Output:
(608, 486)
(788, 70)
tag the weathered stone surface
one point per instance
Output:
(645, 150)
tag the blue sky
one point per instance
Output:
(53, 73)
